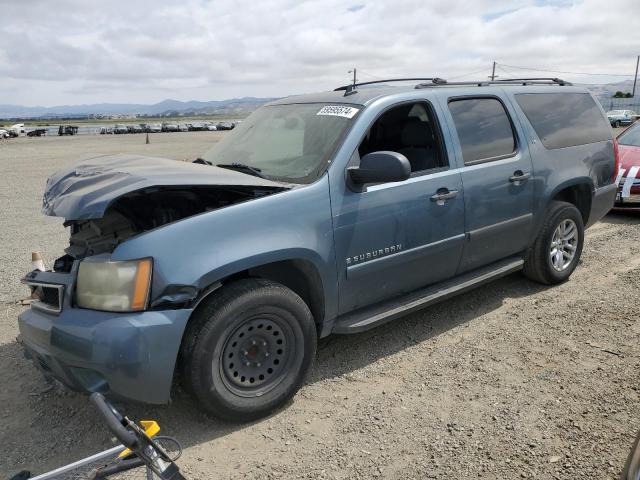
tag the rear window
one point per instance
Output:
(564, 119)
(484, 129)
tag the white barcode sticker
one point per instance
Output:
(338, 111)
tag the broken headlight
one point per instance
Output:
(114, 286)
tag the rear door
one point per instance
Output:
(497, 179)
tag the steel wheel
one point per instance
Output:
(256, 355)
(563, 245)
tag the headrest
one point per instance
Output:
(416, 133)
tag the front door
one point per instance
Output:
(497, 178)
(397, 237)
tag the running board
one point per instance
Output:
(384, 312)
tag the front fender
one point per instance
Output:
(201, 250)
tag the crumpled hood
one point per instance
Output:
(86, 189)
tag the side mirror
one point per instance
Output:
(380, 167)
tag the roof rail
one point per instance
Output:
(352, 88)
(506, 81)
(542, 80)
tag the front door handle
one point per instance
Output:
(442, 195)
(519, 176)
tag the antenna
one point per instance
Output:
(355, 79)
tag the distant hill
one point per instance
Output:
(234, 106)
(170, 107)
(608, 89)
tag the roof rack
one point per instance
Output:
(506, 81)
(437, 82)
(353, 88)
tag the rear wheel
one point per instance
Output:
(557, 249)
(248, 349)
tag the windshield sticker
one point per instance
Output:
(338, 111)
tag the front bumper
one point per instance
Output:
(128, 355)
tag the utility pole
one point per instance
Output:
(635, 78)
(493, 72)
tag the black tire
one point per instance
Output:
(538, 265)
(248, 349)
(617, 124)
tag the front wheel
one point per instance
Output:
(248, 349)
(557, 249)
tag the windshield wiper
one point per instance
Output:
(241, 167)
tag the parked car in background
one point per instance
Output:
(154, 128)
(170, 127)
(4, 133)
(619, 118)
(134, 128)
(197, 126)
(106, 130)
(628, 177)
(120, 129)
(18, 129)
(325, 213)
(38, 132)
(183, 127)
(211, 127)
(225, 126)
(67, 130)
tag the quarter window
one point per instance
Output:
(564, 119)
(484, 129)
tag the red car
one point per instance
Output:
(628, 198)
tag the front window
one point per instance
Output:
(291, 143)
(631, 137)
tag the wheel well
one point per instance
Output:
(301, 276)
(580, 196)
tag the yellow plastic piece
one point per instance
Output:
(151, 428)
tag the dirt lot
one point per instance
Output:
(513, 380)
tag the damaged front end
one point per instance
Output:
(147, 209)
(96, 322)
(107, 200)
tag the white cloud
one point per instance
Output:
(75, 51)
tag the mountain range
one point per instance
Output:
(234, 106)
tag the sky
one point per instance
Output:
(143, 51)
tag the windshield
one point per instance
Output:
(616, 112)
(631, 136)
(291, 143)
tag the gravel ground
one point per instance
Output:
(512, 380)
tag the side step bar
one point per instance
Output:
(384, 312)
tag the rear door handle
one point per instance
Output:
(519, 176)
(442, 195)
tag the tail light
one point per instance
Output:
(616, 155)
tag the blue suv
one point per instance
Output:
(326, 213)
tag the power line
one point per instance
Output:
(367, 74)
(467, 74)
(569, 73)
